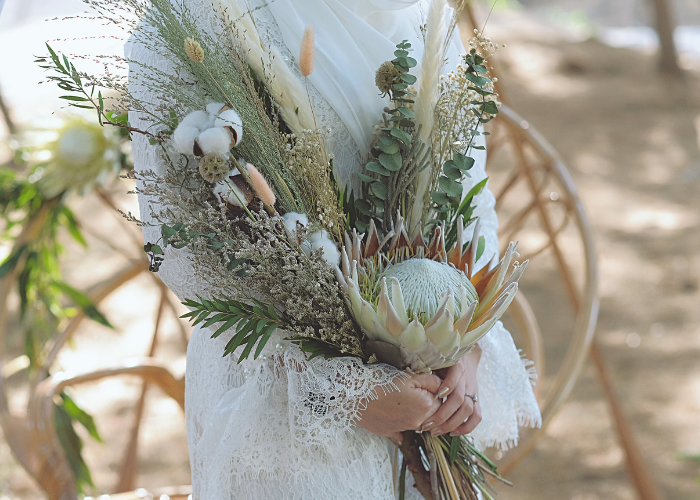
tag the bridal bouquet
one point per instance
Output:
(387, 274)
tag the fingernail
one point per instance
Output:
(436, 433)
(427, 426)
(443, 392)
(453, 434)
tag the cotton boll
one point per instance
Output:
(199, 119)
(330, 250)
(230, 120)
(318, 235)
(184, 137)
(290, 220)
(228, 193)
(215, 141)
(213, 109)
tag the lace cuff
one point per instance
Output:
(505, 391)
(326, 396)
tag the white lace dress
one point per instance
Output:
(283, 427)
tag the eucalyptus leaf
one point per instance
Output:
(390, 162)
(377, 168)
(463, 162)
(450, 187)
(379, 190)
(451, 170)
(400, 134)
(390, 148)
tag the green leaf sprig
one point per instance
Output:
(397, 157)
(449, 204)
(68, 79)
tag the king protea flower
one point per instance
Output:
(423, 307)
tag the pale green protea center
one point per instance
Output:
(423, 283)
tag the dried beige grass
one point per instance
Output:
(306, 53)
(260, 186)
(194, 50)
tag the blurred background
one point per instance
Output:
(621, 109)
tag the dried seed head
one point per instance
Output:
(306, 54)
(213, 168)
(194, 50)
(386, 74)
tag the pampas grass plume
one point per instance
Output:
(260, 186)
(306, 54)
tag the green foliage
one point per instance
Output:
(45, 300)
(253, 325)
(66, 414)
(179, 236)
(63, 72)
(448, 201)
(43, 295)
(397, 158)
(316, 347)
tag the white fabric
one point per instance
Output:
(281, 426)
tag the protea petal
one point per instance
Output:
(497, 279)
(370, 322)
(440, 330)
(355, 274)
(387, 313)
(355, 298)
(470, 253)
(341, 279)
(344, 262)
(441, 308)
(462, 324)
(418, 241)
(474, 335)
(496, 308)
(356, 246)
(413, 337)
(397, 300)
(430, 356)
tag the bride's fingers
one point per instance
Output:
(430, 383)
(456, 419)
(454, 377)
(447, 409)
(470, 424)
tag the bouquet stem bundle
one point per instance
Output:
(446, 467)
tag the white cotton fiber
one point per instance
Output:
(228, 193)
(290, 220)
(318, 235)
(230, 118)
(215, 141)
(199, 119)
(213, 109)
(330, 251)
(183, 138)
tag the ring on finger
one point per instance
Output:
(473, 397)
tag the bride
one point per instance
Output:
(286, 427)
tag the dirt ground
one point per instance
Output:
(631, 140)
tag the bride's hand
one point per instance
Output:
(402, 410)
(459, 414)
